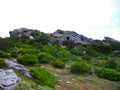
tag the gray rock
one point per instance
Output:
(17, 66)
(60, 80)
(21, 32)
(59, 36)
(68, 83)
(108, 39)
(8, 79)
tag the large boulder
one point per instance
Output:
(8, 79)
(20, 32)
(14, 64)
(59, 36)
(109, 39)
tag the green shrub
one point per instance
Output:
(14, 54)
(42, 76)
(4, 55)
(2, 63)
(44, 88)
(29, 51)
(92, 52)
(59, 64)
(101, 47)
(108, 74)
(28, 59)
(69, 43)
(45, 58)
(111, 64)
(76, 52)
(65, 59)
(5, 44)
(86, 57)
(64, 54)
(53, 49)
(23, 86)
(80, 68)
(118, 67)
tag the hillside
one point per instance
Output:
(63, 60)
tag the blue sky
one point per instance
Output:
(92, 18)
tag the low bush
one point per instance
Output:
(65, 59)
(59, 64)
(86, 57)
(4, 55)
(45, 58)
(76, 52)
(42, 76)
(2, 63)
(64, 53)
(80, 68)
(28, 59)
(111, 64)
(108, 74)
(23, 86)
(14, 54)
(44, 88)
(29, 51)
(118, 67)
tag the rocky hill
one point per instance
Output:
(58, 36)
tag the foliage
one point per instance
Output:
(5, 44)
(2, 63)
(101, 48)
(59, 64)
(86, 57)
(65, 59)
(80, 68)
(4, 55)
(44, 88)
(28, 59)
(23, 86)
(63, 53)
(76, 52)
(108, 74)
(53, 49)
(69, 43)
(45, 58)
(42, 76)
(115, 46)
(29, 51)
(92, 52)
(14, 53)
(111, 64)
(39, 38)
(35, 33)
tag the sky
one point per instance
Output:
(92, 18)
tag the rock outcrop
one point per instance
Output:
(21, 32)
(8, 79)
(108, 39)
(19, 67)
(59, 36)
